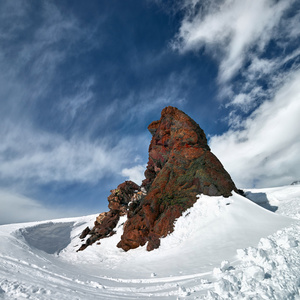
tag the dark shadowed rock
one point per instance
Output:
(84, 233)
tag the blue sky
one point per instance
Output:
(81, 81)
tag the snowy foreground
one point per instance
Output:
(221, 248)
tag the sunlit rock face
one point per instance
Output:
(180, 167)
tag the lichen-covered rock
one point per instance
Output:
(180, 166)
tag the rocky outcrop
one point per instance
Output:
(180, 166)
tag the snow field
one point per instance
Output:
(221, 248)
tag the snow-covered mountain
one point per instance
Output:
(221, 248)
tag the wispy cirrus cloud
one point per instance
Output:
(55, 129)
(74, 103)
(30, 57)
(41, 101)
(38, 55)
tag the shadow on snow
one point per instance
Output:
(261, 199)
(48, 237)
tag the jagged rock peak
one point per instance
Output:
(174, 121)
(180, 166)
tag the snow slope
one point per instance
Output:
(221, 248)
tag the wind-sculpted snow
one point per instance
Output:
(221, 248)
(285, 198)
(49, 237)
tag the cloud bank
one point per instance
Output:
(16, 208)
(32, 155)
(266, 151)
(256, 46)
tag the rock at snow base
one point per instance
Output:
(180, 167)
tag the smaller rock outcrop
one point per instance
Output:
(126, 194)
(84, 233)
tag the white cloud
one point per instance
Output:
(266, 151)
(260, 148)
(228, 29)
(28, 154)
(16, 208)
(249, 93)
(135, 174)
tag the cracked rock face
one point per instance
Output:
(180, 167)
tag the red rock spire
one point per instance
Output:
(180, 166)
